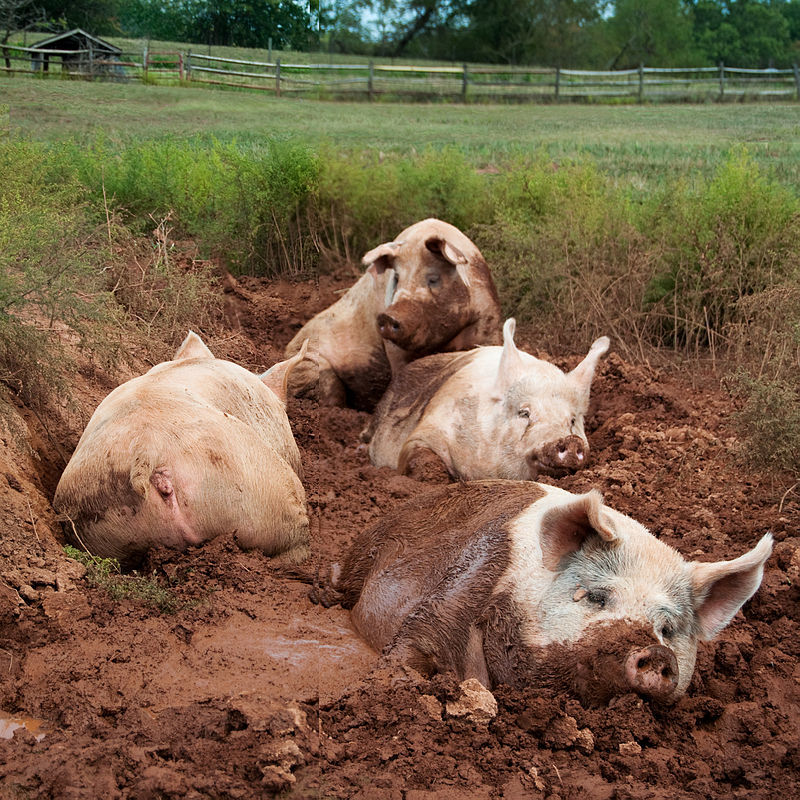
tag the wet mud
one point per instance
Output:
(243, 688)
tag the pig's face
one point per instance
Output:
(427, 298)
(539, 411)
(624, 610)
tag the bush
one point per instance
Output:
(717, 245)
(768, 420)
(51, 255)
(368, 200)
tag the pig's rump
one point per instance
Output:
(178, 477)
(437, 561)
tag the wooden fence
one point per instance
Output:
(465, 83)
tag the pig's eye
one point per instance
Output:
(667, 632)
(525, 413)
(572, 422)
(597, 597)
(434, 280)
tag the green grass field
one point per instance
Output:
(638, 144)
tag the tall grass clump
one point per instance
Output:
(246, 203)
(366, 200)
(563, 250)
(719, 245)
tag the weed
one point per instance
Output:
(106, 574)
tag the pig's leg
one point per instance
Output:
(475, 660)
(422, 464)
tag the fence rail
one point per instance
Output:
(478, 83)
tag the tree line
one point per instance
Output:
(565, 33)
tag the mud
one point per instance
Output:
(246, 689)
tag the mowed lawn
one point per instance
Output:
(639, 144)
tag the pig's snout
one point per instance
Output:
(567, 454)
(652, 672)
(390, 328)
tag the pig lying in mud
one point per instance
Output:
(194, 448)
(519, 583)
(492, 412)
(428, 291)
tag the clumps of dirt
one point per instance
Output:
(246, 689)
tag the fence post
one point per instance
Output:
(180, 66)
(187, 65)
(641, 82)
(558, 81)
(370, 85)
(464, 82)
(269, 45)
(144, 63)
(278, 78)
(721, 80)
(796, 79)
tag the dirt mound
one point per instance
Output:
(239, 687)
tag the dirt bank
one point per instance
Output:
(245, 689)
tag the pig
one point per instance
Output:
(428, 291)
(525, 584)
(194, 448)
(491, 412)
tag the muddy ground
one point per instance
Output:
(242, 688)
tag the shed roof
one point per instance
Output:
(76, 39)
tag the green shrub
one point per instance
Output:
(51, 257)
(368, 200)
(716, 245)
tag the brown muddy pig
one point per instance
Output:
(492, 412)
(519, 583)
(192, 449)
(428, 291)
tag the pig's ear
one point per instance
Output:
(450, 253)
(276, 377)
(511, 367)
(192, 347)
(721, 588)
(566, 526)
(583, 374)
(380, 257)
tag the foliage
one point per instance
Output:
(105, 573)
(720, 243)
(370, 199)
(50, 262)
(652, 32)
(287, 24)
(745, 33)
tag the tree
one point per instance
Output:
(655, 32)
(745, 33)
(224, 22)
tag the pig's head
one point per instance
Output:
(539, 411)
(427, 299)
(624, 611)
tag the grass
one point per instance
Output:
(105, 573)
(664, 226)
(638, 146)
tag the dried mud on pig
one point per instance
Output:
(243, 688)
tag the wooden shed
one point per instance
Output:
(80, 54)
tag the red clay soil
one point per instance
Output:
(243, 688)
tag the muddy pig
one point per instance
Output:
(521, 583)
(194, 448)
(492, 412)
(428, 291)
